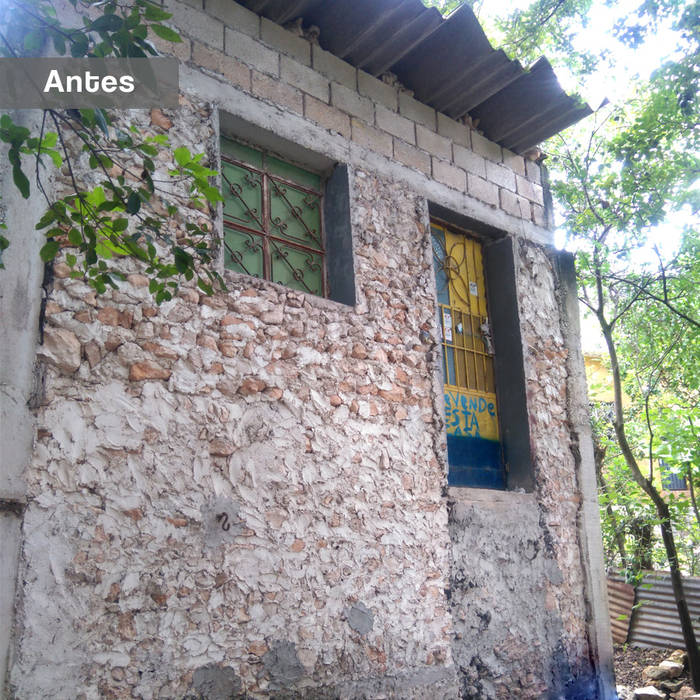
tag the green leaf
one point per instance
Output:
(205, 286)
(120, 224)
(56, 158)
(47, 218)
(182, 155)
(107, 23)
(79, 45)
(34, 40)
(155, 14)
(165, 33)
(20, 180)
(4, 243)
(71, 260)
(59, 43)
(133, 204)
(49, 250)
(75, 237)
(102, 121)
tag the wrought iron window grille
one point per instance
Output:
(273, 219)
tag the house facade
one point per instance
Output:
(365, 469)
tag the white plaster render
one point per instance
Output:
(339, 500)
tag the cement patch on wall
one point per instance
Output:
(507, 628)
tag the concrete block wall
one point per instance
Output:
(274, 64)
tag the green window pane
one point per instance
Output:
(243, 252)
(292, 172)
(238, 151)
(243, 196)
(295, 215)
(296, 268)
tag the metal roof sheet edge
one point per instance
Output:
(435, 58)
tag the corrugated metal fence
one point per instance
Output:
(620, 602)
(654, 621)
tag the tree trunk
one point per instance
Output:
(599, 455)
(661, 508)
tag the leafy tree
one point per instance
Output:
(616, 182)
(637, 168)
(127, 210)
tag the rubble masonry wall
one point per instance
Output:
(247, 492)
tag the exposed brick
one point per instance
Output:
(220, 447)
(333, 67)
(435, 144)
(61, 348)
(530, 190)
(470, 161)
(533, 171)
(455, 131)
(368, 136)
(252, 52)
(280, 93)
(377, 90)
(484, 147)
(395, 124)
(396, 393)
(328, 117)
(500, 175)
(411, 156)
(284, 41)
(234, 15)
(160, 120)
(515, 205)
(513, 161)
(352, 103)
(304, 78)
(417, 111)
(448, 174)
(234, 71)
(113, 317)
(197, 24)
(482, 189)
(160, 351)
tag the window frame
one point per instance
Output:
(339, 260)
(266, 235)
(500, 273)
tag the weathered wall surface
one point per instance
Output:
(246, 493)
(517, 584)
(307, 423)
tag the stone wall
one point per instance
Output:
(248, 480)
(247, 492)
(519, 606)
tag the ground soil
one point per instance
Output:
(630, 661)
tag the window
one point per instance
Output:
(285, 222)
(273, 224)
(488, 434)
(669, 480)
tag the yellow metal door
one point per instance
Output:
(474, 453)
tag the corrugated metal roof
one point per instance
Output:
(449, 64)
(655, 621)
